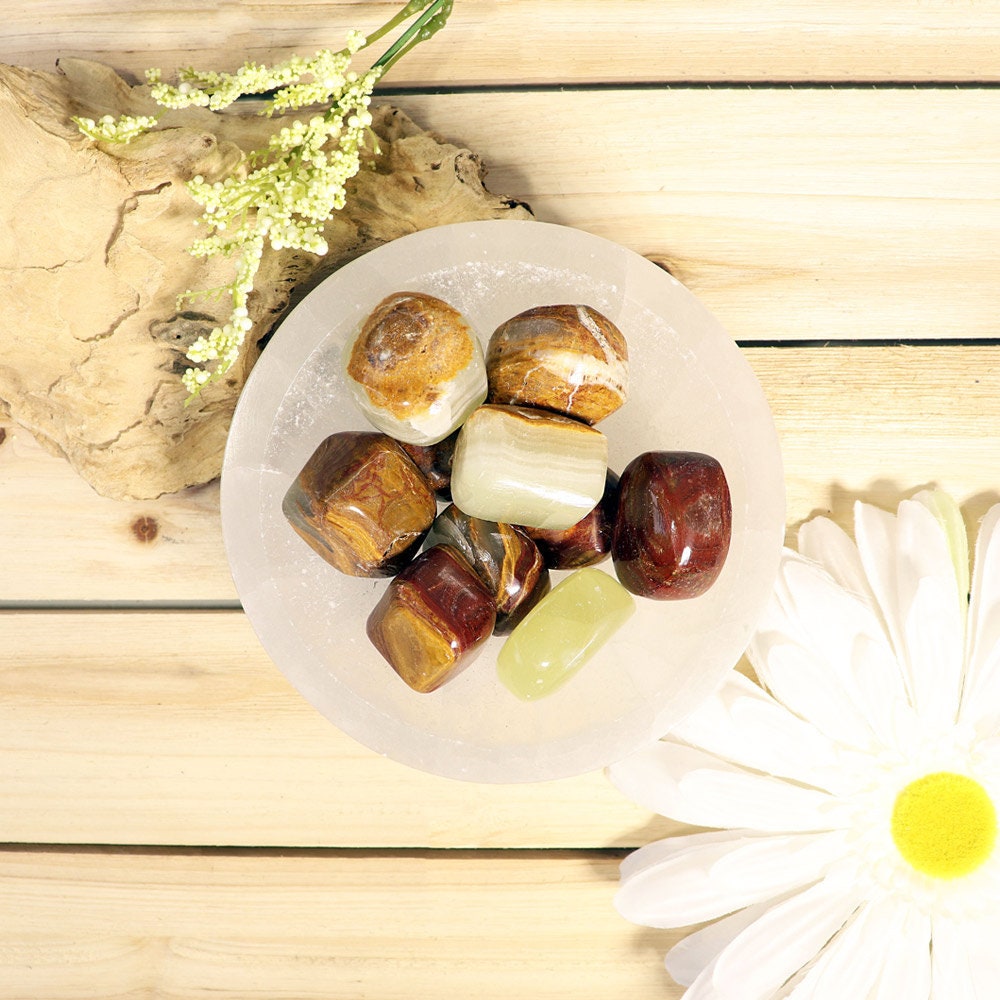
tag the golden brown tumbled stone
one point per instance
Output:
(416, 368)
(566, 358)
(361, 503)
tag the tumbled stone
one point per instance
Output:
(674, 524)
(562, 632)
(566, 358)
(524, 466)
(434, 461)
(416, 368)
(432, 619)
(504, 558)
(361, 503)
(585, 543)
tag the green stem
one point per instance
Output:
(431, 21)
(407, 12)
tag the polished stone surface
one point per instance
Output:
(585, 543)
(674, 524)
(361, 503)
(567, 358)
(528, 467)
(562, 632)
(432, 619)
(416, 368)
(434, 461)
(503, 556)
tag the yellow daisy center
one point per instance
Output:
(944, 824)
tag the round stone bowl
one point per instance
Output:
(690, 390)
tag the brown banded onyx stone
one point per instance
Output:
(587, 542)
(674, 524)
(503, 557)
(434, 461)
(566, 358)
(416, 368)
(361, 503)
(432, 619)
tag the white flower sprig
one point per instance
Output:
(108, 129)
(282, 194)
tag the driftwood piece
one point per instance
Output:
(93, 255)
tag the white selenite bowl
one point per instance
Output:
(690, 390)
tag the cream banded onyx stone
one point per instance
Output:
(523, 466)
(416, 368)
(567, 358)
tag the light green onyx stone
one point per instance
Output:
(562, 632)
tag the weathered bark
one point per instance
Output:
(93, 254)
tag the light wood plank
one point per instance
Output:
(539, 41)
(176, 728)
(61, 541)
(793, 214)
(111, 925)
(878, 423)
(868, 422)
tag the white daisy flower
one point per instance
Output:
(855, 794)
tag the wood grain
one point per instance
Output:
(62, 542)
(794, 214)
(490, 42)
(109, 925)
(176, 728)
(867, 423)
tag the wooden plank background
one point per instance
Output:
(541, 42)
(846, 418)
(251, 850)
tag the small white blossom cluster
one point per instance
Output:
(222, 345)
(287, 191)
(108, 129)
(197, 88)
(281, 194)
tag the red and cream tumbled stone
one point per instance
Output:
(432, 619)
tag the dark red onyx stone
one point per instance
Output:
(587, 542)
(432, 619)
(434, 461)
(674, 524)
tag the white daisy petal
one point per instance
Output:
(694, 953)
(825, 542)
(949, 516)
(744, 724)
(804, 682)
(875, 533)
(983, 957)
(981, 697)
(849, 656)
(951, 965)
(679, 881)
(933, 632)
(692, 786)
(907, 969)
(782, 941)
(849, 966)
(899, 554)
